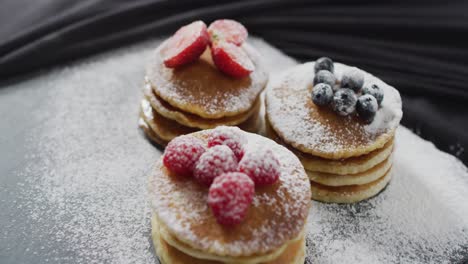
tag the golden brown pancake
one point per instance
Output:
(351, 179)
(166, 129)
(201, 89)
(277, 215)
(294, 253)
(191, 120)
(149, 132)
(351, 193)
(347, 166)
(320, 131)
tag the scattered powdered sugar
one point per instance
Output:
(421, 217)
(79, 195)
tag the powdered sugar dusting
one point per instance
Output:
(289, 111)
(212, 93)
(79, 195)
(421, 217)
(281, 210)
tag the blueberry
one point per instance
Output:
(324, 76)
(353, 79)
(344, 101)
(374, 90)
(322, 94)
(366, 107)
(324, 63)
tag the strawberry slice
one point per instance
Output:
(231, 59)
(186, 45)
(227, 30)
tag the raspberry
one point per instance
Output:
(231, 59)
(228, 136)
(261, 166)
(214, 162)
(230, 196)
(182, 153)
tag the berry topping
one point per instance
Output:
(214, 162)
(344, 101)
(325, 76)
(366, 107)
(186, 45)
(230, 197)
(228, 136)
(182, 153)
(261, 166)
(231, 59)
(375, 91)
(227, 30)
(353, 79)
(322, 94)
(324, 63)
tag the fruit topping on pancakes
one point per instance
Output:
(182, 153)
(231, 183)
(261, 166)
(230, 197)
(324, 63)
(350, 95)
(231, 59)
(186, 45)
(322, 94)
(225, 38)
(229, 136)
(214, 162)
(227, 30)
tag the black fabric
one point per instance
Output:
(420, 47)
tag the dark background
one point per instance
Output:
(420, 47)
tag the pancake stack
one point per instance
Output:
(198, 96)
(346, 159)
(185, 230)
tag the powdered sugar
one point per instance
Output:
(289, 112)
(79, 195)
(181, 206)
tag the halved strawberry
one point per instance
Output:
(231, 59)
(186, 45)
(227, 30)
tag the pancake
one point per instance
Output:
(165, 129)
(347, 166)
(175, 252)
(349, 194)
(320, 131)
(149, 133)
(277, 214)
(351, 179)
(201, 89)
(191, 120)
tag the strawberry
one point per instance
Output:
(231, 59)
(186, 45)
(227, 30)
